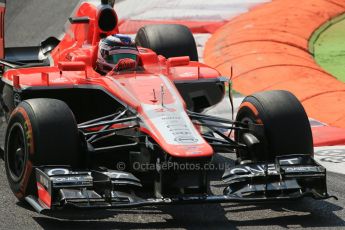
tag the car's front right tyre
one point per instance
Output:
(40, 132)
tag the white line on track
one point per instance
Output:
(332, 158)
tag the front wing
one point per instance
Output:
(290, 177)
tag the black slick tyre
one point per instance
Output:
(168, 40)
(40, 132)
(285, 122)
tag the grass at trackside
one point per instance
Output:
(328, 47)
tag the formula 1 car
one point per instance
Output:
(77, 138)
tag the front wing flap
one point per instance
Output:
(289, 178)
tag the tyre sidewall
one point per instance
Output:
(24, 185)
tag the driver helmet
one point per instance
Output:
(113, 49)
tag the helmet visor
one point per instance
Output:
(115, 58)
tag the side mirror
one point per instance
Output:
(178, 61)
(72, 66)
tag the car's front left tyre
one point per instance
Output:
(285, 124)
(40, 132)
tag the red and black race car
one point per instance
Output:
(76, 137)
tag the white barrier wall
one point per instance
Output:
(183, 10)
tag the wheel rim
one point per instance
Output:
(246, 118)
(16, 152)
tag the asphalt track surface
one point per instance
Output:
(308, 213)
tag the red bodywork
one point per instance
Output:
(73, 64)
